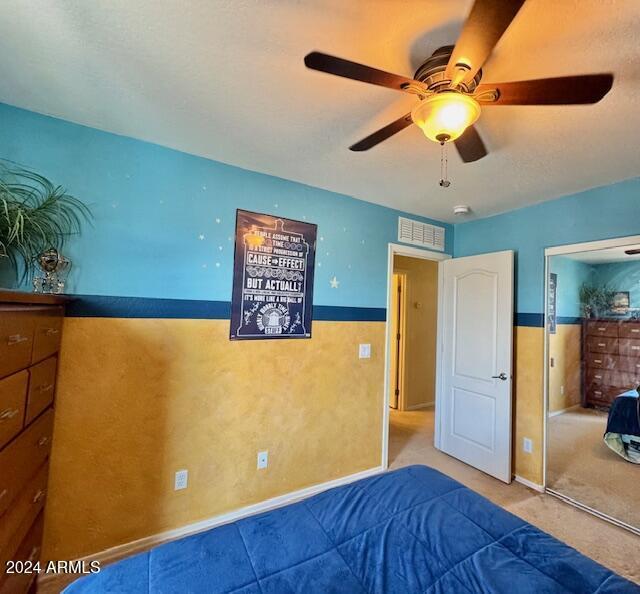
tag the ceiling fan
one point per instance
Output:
(448, 84)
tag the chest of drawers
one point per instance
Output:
(30, 333)
(610, 360)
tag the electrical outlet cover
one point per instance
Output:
(364, 351)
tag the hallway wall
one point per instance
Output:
(421, 323)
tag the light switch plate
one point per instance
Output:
(181, 480)
(365, 351)
(527, 445)
(263, 459)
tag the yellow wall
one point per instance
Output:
(139, 399)
(564, 349)
(528, 401)
(421, 301)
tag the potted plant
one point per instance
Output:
(595, 301)
(35, 215)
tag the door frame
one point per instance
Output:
(563, 250)
(397, 249)
(402, 329)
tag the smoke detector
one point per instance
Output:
(461, 209)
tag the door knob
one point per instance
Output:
(503, 376)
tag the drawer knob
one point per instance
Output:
(8, 414)
(635, 348)
(598, 376)
(39, 495)
(597, 360)
(43, 441)
(597, 393)
(635, 330)
(46, 388)
(16, 339)
(602, 344)
(51, 331)
(601, 329)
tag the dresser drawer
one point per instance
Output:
(29, 551)
(17, 520)
(42, 386)
(629, 347)
(602, 344)
(13, 396)
(623, 379)
(20, 460)
(626, 363)
(629, 330)
(603, 395)
(48, 332)
(598, 377)
(600, 360)
(17, 328)
(595, 328)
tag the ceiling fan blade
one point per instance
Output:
(564, 90)
(485, 25)
(470, 145)
(377, 137)
(355, 71)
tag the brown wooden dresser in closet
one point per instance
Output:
(30, 332)
(611, 360)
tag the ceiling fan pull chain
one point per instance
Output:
(444, 176)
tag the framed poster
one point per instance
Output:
(621, 303)
(273, 271)
(552, 314)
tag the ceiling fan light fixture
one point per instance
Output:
(443, 117)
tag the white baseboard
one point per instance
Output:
(528, 483)
(421, 406)
(564, 410)
(143, 544)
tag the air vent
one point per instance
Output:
(422, 234)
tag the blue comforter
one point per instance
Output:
(412, 530)
(624, 417)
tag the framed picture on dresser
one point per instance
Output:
(621, 303)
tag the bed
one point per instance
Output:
(623, 426)
(411, 530)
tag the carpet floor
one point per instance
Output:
(411, 442)
(582, 467)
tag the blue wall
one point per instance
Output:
(571, 276)
(601, 213)
(152, 205)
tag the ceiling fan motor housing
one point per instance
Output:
(432, 72)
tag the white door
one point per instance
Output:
(475, 403)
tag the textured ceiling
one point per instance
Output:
(225, 79)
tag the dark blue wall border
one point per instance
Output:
(330, 313)
(535, 320)
(569, 320)
(532, 320)
(102, 306)
(99, 306)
